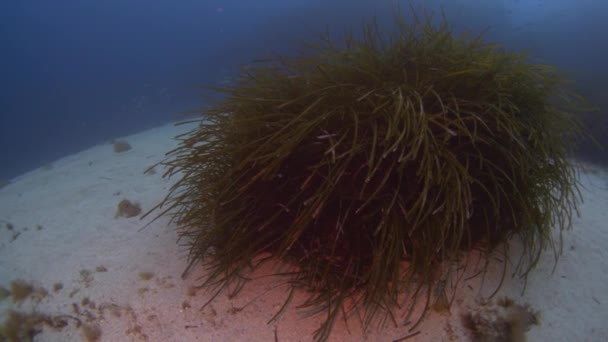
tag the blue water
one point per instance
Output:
(82, 72)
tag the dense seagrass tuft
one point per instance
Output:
(367, 163)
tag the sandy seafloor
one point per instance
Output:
(65, 232)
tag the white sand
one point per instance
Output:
(74, 203)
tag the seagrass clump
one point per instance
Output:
(366, 163)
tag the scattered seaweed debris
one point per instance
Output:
(13, 232)
(86, 277)
(101, 268)
(501, 321)
(21, 290)
(24, 326)
(20, 326)
(57, 287)
(15, 236)
(40, 294)
(120, 146)
(90, 333)
(74, 292)
(146, 275)
(127, 209)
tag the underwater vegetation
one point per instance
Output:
(369, 163)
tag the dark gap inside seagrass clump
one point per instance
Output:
(371, 162)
